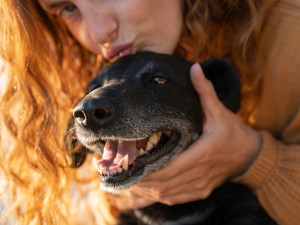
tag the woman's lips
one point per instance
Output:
(116, 52)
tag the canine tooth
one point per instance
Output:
(125, 163)
(95, 161)
(153, 139)
(104, 171)
(142, 151)
(115, 172)
(119, 170)
(149, 146)
(168, 133)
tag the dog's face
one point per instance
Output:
(142, 111)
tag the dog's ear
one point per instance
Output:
(225, 80)
(76, 152)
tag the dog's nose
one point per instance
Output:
(93, 113)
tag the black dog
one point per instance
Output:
(142, 111)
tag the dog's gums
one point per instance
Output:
(123, 158)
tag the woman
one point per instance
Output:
(52, 48)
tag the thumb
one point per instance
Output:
(205, 89)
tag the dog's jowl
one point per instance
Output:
(142, 111)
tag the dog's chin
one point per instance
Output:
(147, 162)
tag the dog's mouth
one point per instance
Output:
(124, 158)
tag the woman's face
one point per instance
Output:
(116, 28)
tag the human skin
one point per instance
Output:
(227, 146)
(145, 25)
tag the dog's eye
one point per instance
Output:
(159, 80)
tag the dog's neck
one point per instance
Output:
(194, 218)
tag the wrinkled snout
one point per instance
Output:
(93, 113)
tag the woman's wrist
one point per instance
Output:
(261, 165)
(255, 145)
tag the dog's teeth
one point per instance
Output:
(125, 163)
(104, 171)
(153, 139)
(120, 170)
(149, 146)
(142, 151)
(169, 133)
(115, 172)
(159, 133)
(96, 164)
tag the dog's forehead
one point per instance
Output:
(145, 62)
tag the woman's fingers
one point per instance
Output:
(126, 200)
(205, 90)
(187, 191)
(161, 184)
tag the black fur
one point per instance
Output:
(126, 102)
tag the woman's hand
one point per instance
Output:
(226, 149)
(129, 200)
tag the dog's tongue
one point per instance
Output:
(115, 151)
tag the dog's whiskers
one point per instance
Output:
(69, 131)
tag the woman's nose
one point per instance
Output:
(102, 25)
